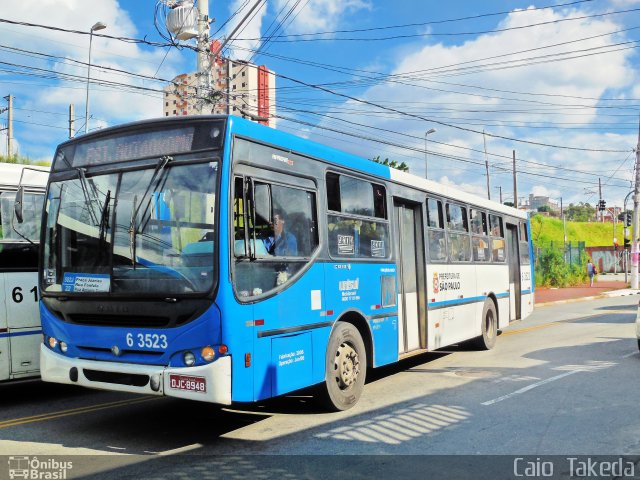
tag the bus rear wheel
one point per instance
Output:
(345, 368)
(489, 327)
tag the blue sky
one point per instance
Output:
(558, 85)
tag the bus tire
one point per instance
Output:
(345, 368)
(489, 327)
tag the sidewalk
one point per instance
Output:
(603, 284)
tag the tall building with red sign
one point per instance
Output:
(239, 88)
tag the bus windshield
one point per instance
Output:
(146, 231)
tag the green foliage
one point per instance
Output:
(508, 204)
(582, 212)
(22, 160)
(544, 208)
(393, 164)
(552, 271)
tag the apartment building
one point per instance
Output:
(241, 89)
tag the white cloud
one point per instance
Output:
(251, 29)
(42, 102)
(439, 90)
(319, 15)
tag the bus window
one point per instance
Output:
(496, 226)
(478, 222)
(435, 231)
(524, 245)
(282, 233)
(497, 239)
(479, 240)
(358, 233)
(457, 232)
(30, 227)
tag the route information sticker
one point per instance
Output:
(86, 282)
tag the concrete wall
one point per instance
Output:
(606, 259)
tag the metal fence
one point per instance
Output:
(572, 252)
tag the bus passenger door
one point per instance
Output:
(4, 335)
(411, 273)
(23, 320)
(513, 258)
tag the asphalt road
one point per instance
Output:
(566, 382)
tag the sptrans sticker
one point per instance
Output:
(377, 248)
(86, 282)
(346, 245)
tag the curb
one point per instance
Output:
(570, 300)
(609, 294)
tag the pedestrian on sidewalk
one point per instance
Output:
(591, 271)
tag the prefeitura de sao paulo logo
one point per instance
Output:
(435, 282)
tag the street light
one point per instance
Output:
(426, 136)
(97, 26)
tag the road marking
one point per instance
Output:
(74, 411)
(591, 366)
(530, 387)
(531, 329)
(630, 354)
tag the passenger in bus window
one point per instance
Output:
(281, 242)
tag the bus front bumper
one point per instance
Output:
(205, 383)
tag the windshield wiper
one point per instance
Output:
(104, 217)
(85, 191)
(135, 209)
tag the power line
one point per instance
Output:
(282, 39)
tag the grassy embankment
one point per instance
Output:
(544, 230)
(551, 269)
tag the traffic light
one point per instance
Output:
(627, 219)
(627, 244)
(602, 205)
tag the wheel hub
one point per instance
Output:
(346, 366)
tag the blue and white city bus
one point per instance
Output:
(20, 333)
(215, 259)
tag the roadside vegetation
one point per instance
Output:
(547, 234)
(23, 160)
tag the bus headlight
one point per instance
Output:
(63, 347)
(53, 343)
(189, 359)
(208, 354)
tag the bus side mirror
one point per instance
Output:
(18, 205)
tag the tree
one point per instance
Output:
(508, 204)
(583, 212)
(544, 208)
(393, 164)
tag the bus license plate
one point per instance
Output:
(188, 383)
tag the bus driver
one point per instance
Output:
(281, 243)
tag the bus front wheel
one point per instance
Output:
(345, 368)
(489, 326)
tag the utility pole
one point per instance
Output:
(486, 164)
(500, 189)
(600, 202)
(515, 182)
(615, 239)
(9, 99)
(71, 120)
(636, 218)
(204, 67)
